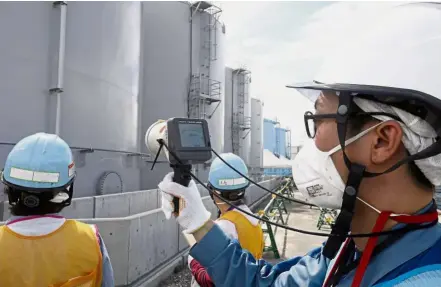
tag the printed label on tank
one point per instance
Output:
(36, 176)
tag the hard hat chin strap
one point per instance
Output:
(343, 222)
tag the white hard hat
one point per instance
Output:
(396, 61)
(394, 66)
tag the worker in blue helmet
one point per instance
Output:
(226, 183)
(38, 246)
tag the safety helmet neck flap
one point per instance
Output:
(39, 167)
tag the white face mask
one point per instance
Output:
(316, 177)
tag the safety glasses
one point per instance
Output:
(311, 119)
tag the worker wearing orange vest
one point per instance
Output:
(231, 186)
(38, 246)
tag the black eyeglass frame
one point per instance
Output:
(310, 116)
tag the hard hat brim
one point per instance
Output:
(16, 187)
(420, 104)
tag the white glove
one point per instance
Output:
(192, 212)
(189, 259)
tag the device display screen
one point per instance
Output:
(192, 135)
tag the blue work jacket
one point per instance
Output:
(414, 260)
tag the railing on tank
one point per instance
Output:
(203, 91)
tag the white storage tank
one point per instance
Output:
(238, 112)
(256, 157)
(182, 71)
(100, 73)
(73, 69)
(228, 110)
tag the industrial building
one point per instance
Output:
(99, 74)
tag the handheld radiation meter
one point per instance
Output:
(188, 142)
(189, 139)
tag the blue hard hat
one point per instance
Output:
(223, 178)
(39, 162)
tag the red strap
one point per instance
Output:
(200, 274)
(415, 219)
(336, 263)
(367, 253)
(372, 242)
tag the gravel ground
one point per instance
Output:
(180, 279)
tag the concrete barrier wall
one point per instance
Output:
(108, 206)
(129, 203)
(138, 244)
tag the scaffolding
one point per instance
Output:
(274, 212)
(204, 91)
(241, 125)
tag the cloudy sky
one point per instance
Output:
(284, 42)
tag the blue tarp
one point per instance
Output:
(277, 171)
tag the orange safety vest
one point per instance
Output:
(250, 236)
(68, 257)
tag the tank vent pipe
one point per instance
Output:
(62, 5)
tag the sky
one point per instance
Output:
(285, 42)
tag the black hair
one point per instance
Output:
(355, 126)
(236, 197)
(233, 195)
(24, 203)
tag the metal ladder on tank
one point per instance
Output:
(211, 28)
(205, 91)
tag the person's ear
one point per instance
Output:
(386, 142)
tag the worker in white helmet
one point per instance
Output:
(375, 156)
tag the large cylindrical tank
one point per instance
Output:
(246, 132)
(242, 111)
(280, 141)
(228, 110)
(178, 64)
(269, 135)
(256, 157)
(237, 119)
(98, 107)
(216, 110)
